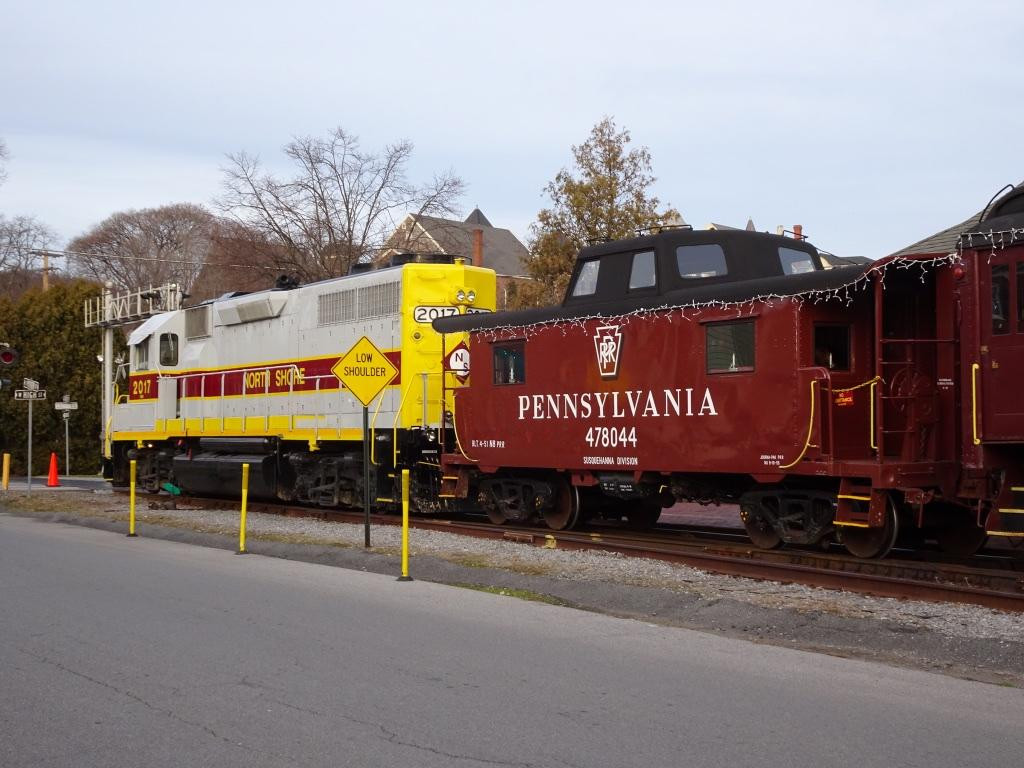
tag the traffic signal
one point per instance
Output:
(8, 356)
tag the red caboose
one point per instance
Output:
(734, 366)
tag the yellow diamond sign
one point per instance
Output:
(365, 370)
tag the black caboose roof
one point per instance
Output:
(752, 262)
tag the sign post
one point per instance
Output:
(30, 393)
(67, 405)
(365, 371)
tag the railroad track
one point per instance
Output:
(993, 580)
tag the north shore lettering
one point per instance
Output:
(633, 403)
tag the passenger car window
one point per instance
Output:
(795, 262)
(832, 347)
(510, 363)
(586, 279)
(730, 346)
(168, 349)
(642, 274)
(1020, 297)
(697, 261)
(1000, 299)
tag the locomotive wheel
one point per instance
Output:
(871, 542)
(643, 515)
(565, 513)
(759, 527)
(962, 538)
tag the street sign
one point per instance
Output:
(30, 394)
(365, 370)
(30, 383)
(72, 406)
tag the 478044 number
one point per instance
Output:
(611, 437)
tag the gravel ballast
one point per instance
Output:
(962, 640)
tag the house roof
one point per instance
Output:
(502, 250)
(941, 242)
(946, 240)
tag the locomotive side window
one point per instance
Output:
(168, 349)
(1020, 297)
(641, 275)
(1000, 298)
(795, 262)
(832, 347)
(142, 355)
(510, 363)
(697, 261)
(586, 280)
(730, 346)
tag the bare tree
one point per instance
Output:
(20, 237)
(338, 207)
(134, 249)
(4, 157)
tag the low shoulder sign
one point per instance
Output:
(365, 370)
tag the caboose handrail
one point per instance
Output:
(975, 367)
(810, 428)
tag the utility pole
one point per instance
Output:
(46, 271)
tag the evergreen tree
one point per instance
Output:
(605, 197)
(60, 353)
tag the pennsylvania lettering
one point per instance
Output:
(633, 403)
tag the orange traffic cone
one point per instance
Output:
(52, 481)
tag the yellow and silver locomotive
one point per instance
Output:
(253, 378)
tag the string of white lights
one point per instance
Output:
(692, 310)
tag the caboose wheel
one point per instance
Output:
(642, 515)
(759, 527)
(871, 542)
(962, 538)
(565, 513)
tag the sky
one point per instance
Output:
(871, 124)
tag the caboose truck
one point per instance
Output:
(859, 402)
(249, 378)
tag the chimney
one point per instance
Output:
(798, 231)
(478, 247)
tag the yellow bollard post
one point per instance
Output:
(131, 501)
(245, 502)
(6, 479)
(405, 527)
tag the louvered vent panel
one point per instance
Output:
(337, 307)
(378, 300)
(197, 323)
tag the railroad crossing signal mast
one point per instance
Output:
(109, 312)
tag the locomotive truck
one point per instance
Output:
(852, 402)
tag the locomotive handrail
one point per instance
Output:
(975, 367)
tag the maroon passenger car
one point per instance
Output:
(733, 366)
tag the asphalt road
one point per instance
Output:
(139, 652)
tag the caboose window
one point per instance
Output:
(510, 363)
(1000, 298)
(642, 273)
(168, 349)
(730, 346)
(795, 262)
(832, 347)
(586, 280)
(697, 261)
